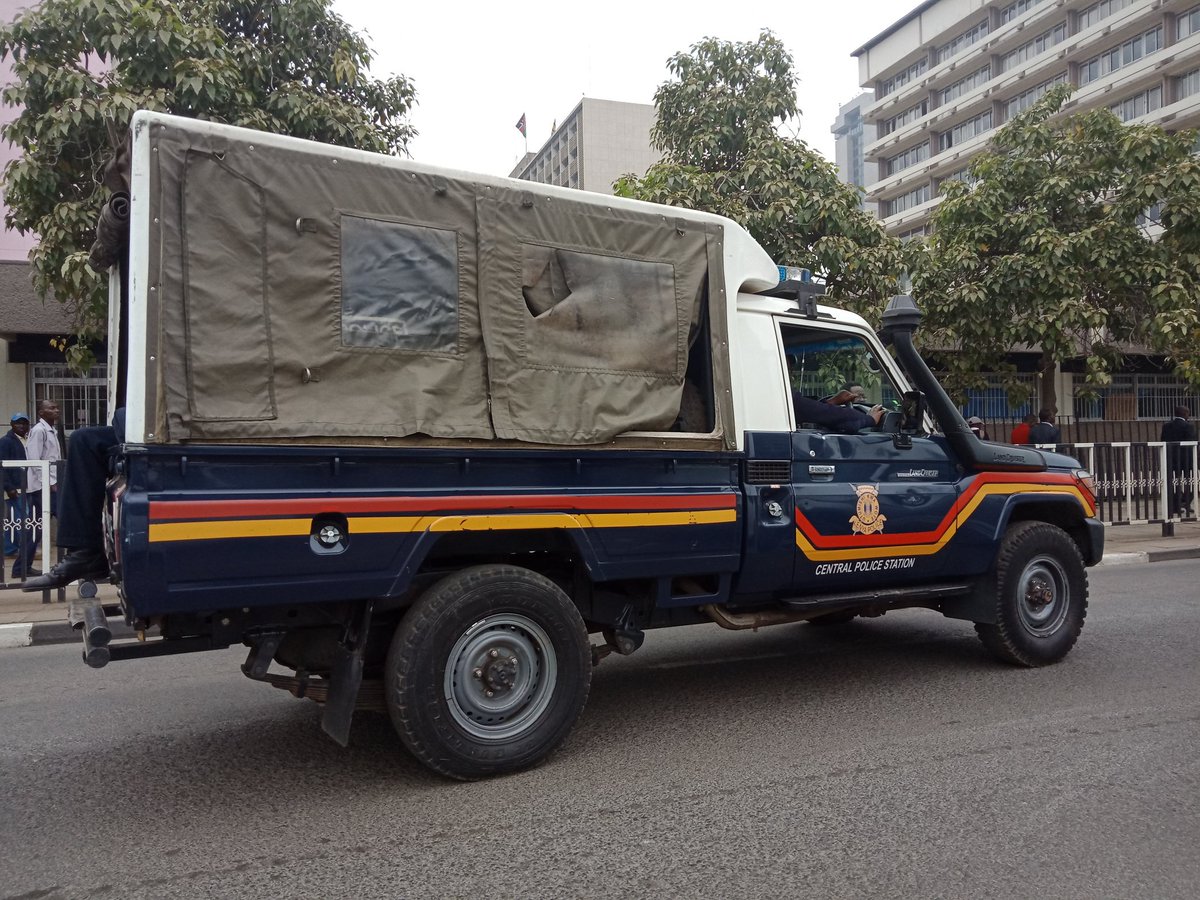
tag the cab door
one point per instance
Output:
(872, 509)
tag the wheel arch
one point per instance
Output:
(543, 550)
(1064, 512)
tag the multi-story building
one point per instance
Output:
(600, 141)
(951, 71)
(851, 136)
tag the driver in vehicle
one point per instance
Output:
(836, 413)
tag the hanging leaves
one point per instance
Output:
(719, 123)
(81, 68)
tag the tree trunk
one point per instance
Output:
(1047, 371)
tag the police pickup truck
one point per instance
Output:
(439, 442)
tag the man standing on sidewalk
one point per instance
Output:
(42, 444)
(12, 447)
(1179, 460)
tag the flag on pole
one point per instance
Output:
(521, 125)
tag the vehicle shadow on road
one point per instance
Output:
(682, 694)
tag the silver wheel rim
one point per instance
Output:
(1043, 595)
(500, 677)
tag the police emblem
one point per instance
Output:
(868, 520)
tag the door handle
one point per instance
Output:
(821, 473)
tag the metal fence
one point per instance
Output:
(26, 527)
(1139, 483)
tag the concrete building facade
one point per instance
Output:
(852, 134)
(949, 73)
(600, 141)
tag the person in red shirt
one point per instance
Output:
(1020, 434)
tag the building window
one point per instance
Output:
(1187, 84)
(1131, 396)
(1138, 105)
(1014, 10)
(1026, 99)
(965, 131)
(963, 175)
(82, 400)
(1030, 49)
(909, 115)
(1098, 11)
(1130, 51)
(906, 201)
(1187, 24)
(909, 157)
(900, 79)
(963, 85)
(963, 41)
(913, 234)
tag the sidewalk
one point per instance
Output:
(25, 620)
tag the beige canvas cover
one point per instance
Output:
(303, 292)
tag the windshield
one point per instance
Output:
(821, 363)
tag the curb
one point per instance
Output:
(1122, 559)
(28, 634)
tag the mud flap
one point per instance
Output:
(346, 677)
(978, 606)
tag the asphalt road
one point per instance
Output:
(885, 758)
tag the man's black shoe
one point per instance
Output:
(77, 565)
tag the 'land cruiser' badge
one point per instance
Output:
(868, 520)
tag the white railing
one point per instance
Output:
(21, 527)
(1138, 483)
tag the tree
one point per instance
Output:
(82, 67)
(718, 126)
(1073, 235)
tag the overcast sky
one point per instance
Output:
(479, 66)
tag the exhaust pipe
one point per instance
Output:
(96, 635)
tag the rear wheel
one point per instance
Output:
(1040, 594)
(488, 672)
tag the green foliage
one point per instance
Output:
(1048, 245)
(81, 68)
(718, 126)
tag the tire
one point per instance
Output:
(1040, 594)
(498, 629)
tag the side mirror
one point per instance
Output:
(912, 408)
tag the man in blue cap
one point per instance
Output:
(12, 447)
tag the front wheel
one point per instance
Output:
(488, 672)
(1040, 586)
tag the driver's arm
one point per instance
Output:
(842, 419)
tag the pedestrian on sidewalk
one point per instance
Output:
(1179, 461)
(41, 444)
(80, 526)
(12, 448)
(1020, 432)
(1045, 431)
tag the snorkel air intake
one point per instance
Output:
(900, 321)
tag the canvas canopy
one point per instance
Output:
(306, 292)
